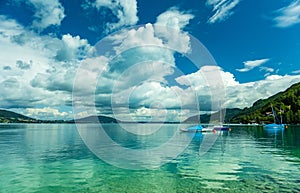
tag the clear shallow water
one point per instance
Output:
(53, 158)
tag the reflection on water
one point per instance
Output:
(53, 158)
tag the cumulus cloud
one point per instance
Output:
(17, 94)
(73, 48)
(237, 94)
(133, 93)
(138, 62)
(208, 83)
(222, 9)
(289, 15)
(124, 10)
(174, 18)
(24, 65)
(47, 13)
(274, 77)
(250, 64)
(266, 69)
(31, 74)
(134, 77)
(198, 79)
(29, 54)
(176, 21)
(45, 113)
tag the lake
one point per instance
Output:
(147, 158)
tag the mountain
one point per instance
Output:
(94, 119)
(12, 117)
(286, 104)
(205, 118)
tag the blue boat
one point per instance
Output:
(199, 128)
(215, 128)
(274, 126)
(194, 129)
(221, 128)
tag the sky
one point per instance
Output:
(144, 60)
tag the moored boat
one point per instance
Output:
(274, 125)
(221, 128)
(197, 128)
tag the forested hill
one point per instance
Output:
(285, 104)
(12, 117)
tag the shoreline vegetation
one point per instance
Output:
(286, 104)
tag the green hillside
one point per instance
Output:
(12, 117)
(286, 104)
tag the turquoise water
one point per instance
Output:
(54, 158)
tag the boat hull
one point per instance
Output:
(275, 126)
(194, 129)
(221, 128)
(199, 128)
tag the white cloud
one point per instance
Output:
(274, 77)
(174, 18)
(244, 95)
(40, 70)
(47, 13)
(143, 36)
(296, 72)
(124, 10)
(174, 22)
(289, 15)
(73, 48)
(222, 9)
(144, 57)
(31, 75)
(249, 65)
(135, 82)
(199, 79)
(45, 113)
(239, 95)
(266, 69)
(29, 50)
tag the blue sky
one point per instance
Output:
(255, 45)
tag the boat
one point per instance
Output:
(194, 129)
(274, 125)
(198, 128)
(221, 128)
(215, 128)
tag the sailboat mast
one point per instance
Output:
(273, 113)
(221, 120)
(280, 116)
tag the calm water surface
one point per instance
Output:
(53, 158)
